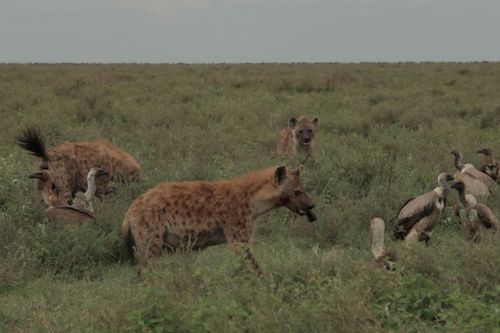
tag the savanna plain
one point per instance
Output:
(385, 133)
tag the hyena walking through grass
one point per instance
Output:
(199, 214)
(70, 162)
(298, 137)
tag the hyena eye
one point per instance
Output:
(310, 130)
(297, 193)
(300, 131)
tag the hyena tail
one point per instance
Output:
(128, 239)
(31, 140)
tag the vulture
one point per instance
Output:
(418, 216)
(475, 216)
(476, 182)
(491, 165)
(84, 200)
(49, 195)
(382, 258)
(57, 211)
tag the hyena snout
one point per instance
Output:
(305, 137)
(311, 216)
(305, 206)
(308, 207)
(306, 203)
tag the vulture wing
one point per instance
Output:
(487, 217)
(472, 185)
(482, 177)
(413, 211)
(79, 201)
(68, 214)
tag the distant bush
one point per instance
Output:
(490, 119)
(464, 71)
(304, 85)
(375, 99)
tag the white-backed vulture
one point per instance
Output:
(487, 217)
(474, 216)
(57, 211)
(476, 182)
(418, 216)
(382, 258)
(465, 209)
(84, 200)
(49, 196)
(491, 165)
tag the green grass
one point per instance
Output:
(386, 131)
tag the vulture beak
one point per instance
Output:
(482, 151)
(101, 173)
(37, 175)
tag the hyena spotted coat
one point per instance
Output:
(298, 137)
(195, 215)
(69, 163)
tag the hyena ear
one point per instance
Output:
(279, 175)
(316, 121)
(292, 122)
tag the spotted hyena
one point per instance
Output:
(298, 137)
(69, 163)
(198, 214)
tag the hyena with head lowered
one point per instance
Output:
(70, 162)
(194, 215)
(298, 137)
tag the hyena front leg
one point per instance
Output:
(243, 250)
(238, 238)
(252, 262)
(148, 247)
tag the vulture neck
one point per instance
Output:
(489, 159)
(48, 193)
(89, 194)
(377, 240)
(443, 190)
(458, 162)
(461, 197)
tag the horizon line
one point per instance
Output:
(252, 62)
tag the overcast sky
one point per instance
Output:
(249, 30)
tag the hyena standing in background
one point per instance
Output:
(69, 164)
(298, 137)
(194, 215)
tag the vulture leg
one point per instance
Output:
(412, 237)
(425, 236)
